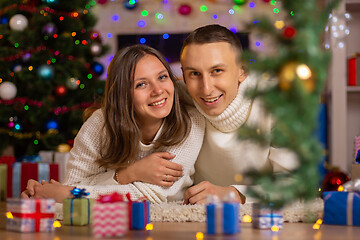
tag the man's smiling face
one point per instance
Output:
(212, 75)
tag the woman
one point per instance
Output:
(142, 141)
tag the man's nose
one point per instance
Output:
(207, 85)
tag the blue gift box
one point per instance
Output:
(222, 218)
(140, 215)
(265, 217)
(342, 208)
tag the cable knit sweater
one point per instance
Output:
(223, 155)
(83, 172)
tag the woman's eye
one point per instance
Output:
(141, 84)
(163, 77)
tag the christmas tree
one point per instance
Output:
(48, 72)
(296, 77)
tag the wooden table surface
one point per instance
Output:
(188, 230)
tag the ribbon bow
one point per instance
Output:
(79, 193)
(352, 186)
(111, 198)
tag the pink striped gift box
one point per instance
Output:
(110, 219)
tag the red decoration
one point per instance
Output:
(111, 198)
(60, 91)
(266, 1)
(101, 2)
(94, 35)
(333, 180)
(289, 32)
(184, 9)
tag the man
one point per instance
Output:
(216, 80)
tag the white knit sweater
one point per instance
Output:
(223, 155)
(83, 172)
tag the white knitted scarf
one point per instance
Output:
(236, 113)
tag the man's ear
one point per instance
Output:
(242, 74)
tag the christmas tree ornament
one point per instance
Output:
(46, 72)
(333, 180)
(26, 57)
(4, 19)
(95, 49)
(18, 22)
(72, 83)
(95, 35)
(51, 2)
(8, 90)
(287, 75)
(49, 29)
(292, 70)
(101, 2)
(239, 2)
(184, 9)
(17, 68)
(289, 32)
(98, 68)
(63, 148)
(60, 91)
(51, 124)
(130, 4)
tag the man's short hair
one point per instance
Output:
(213, 33)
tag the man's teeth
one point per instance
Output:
(209, 100)
(158, 103)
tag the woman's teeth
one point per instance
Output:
(157, 103)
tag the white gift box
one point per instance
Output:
(30, 215)
(56, 157)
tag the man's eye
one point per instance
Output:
(194, 74)
(218, 70)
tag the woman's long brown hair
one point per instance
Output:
(119, 146)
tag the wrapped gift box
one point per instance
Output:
(222, 217)
(22, 172)
(77, 210)
(9, 161)
(139, 214)
(265, 217)
(355, 171)
(3, 181)
(342, 208)
(30, 215)
(60, 158)
(110, 217)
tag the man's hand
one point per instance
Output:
(198, 193)
(155, 168)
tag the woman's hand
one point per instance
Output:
(154, 168)
(52, 189)
(30, 189)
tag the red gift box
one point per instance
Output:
(20, 173)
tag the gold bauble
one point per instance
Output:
(63, 148)
(292, 70)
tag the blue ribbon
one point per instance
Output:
(43, 172)
(78, 193)
(28, 158)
